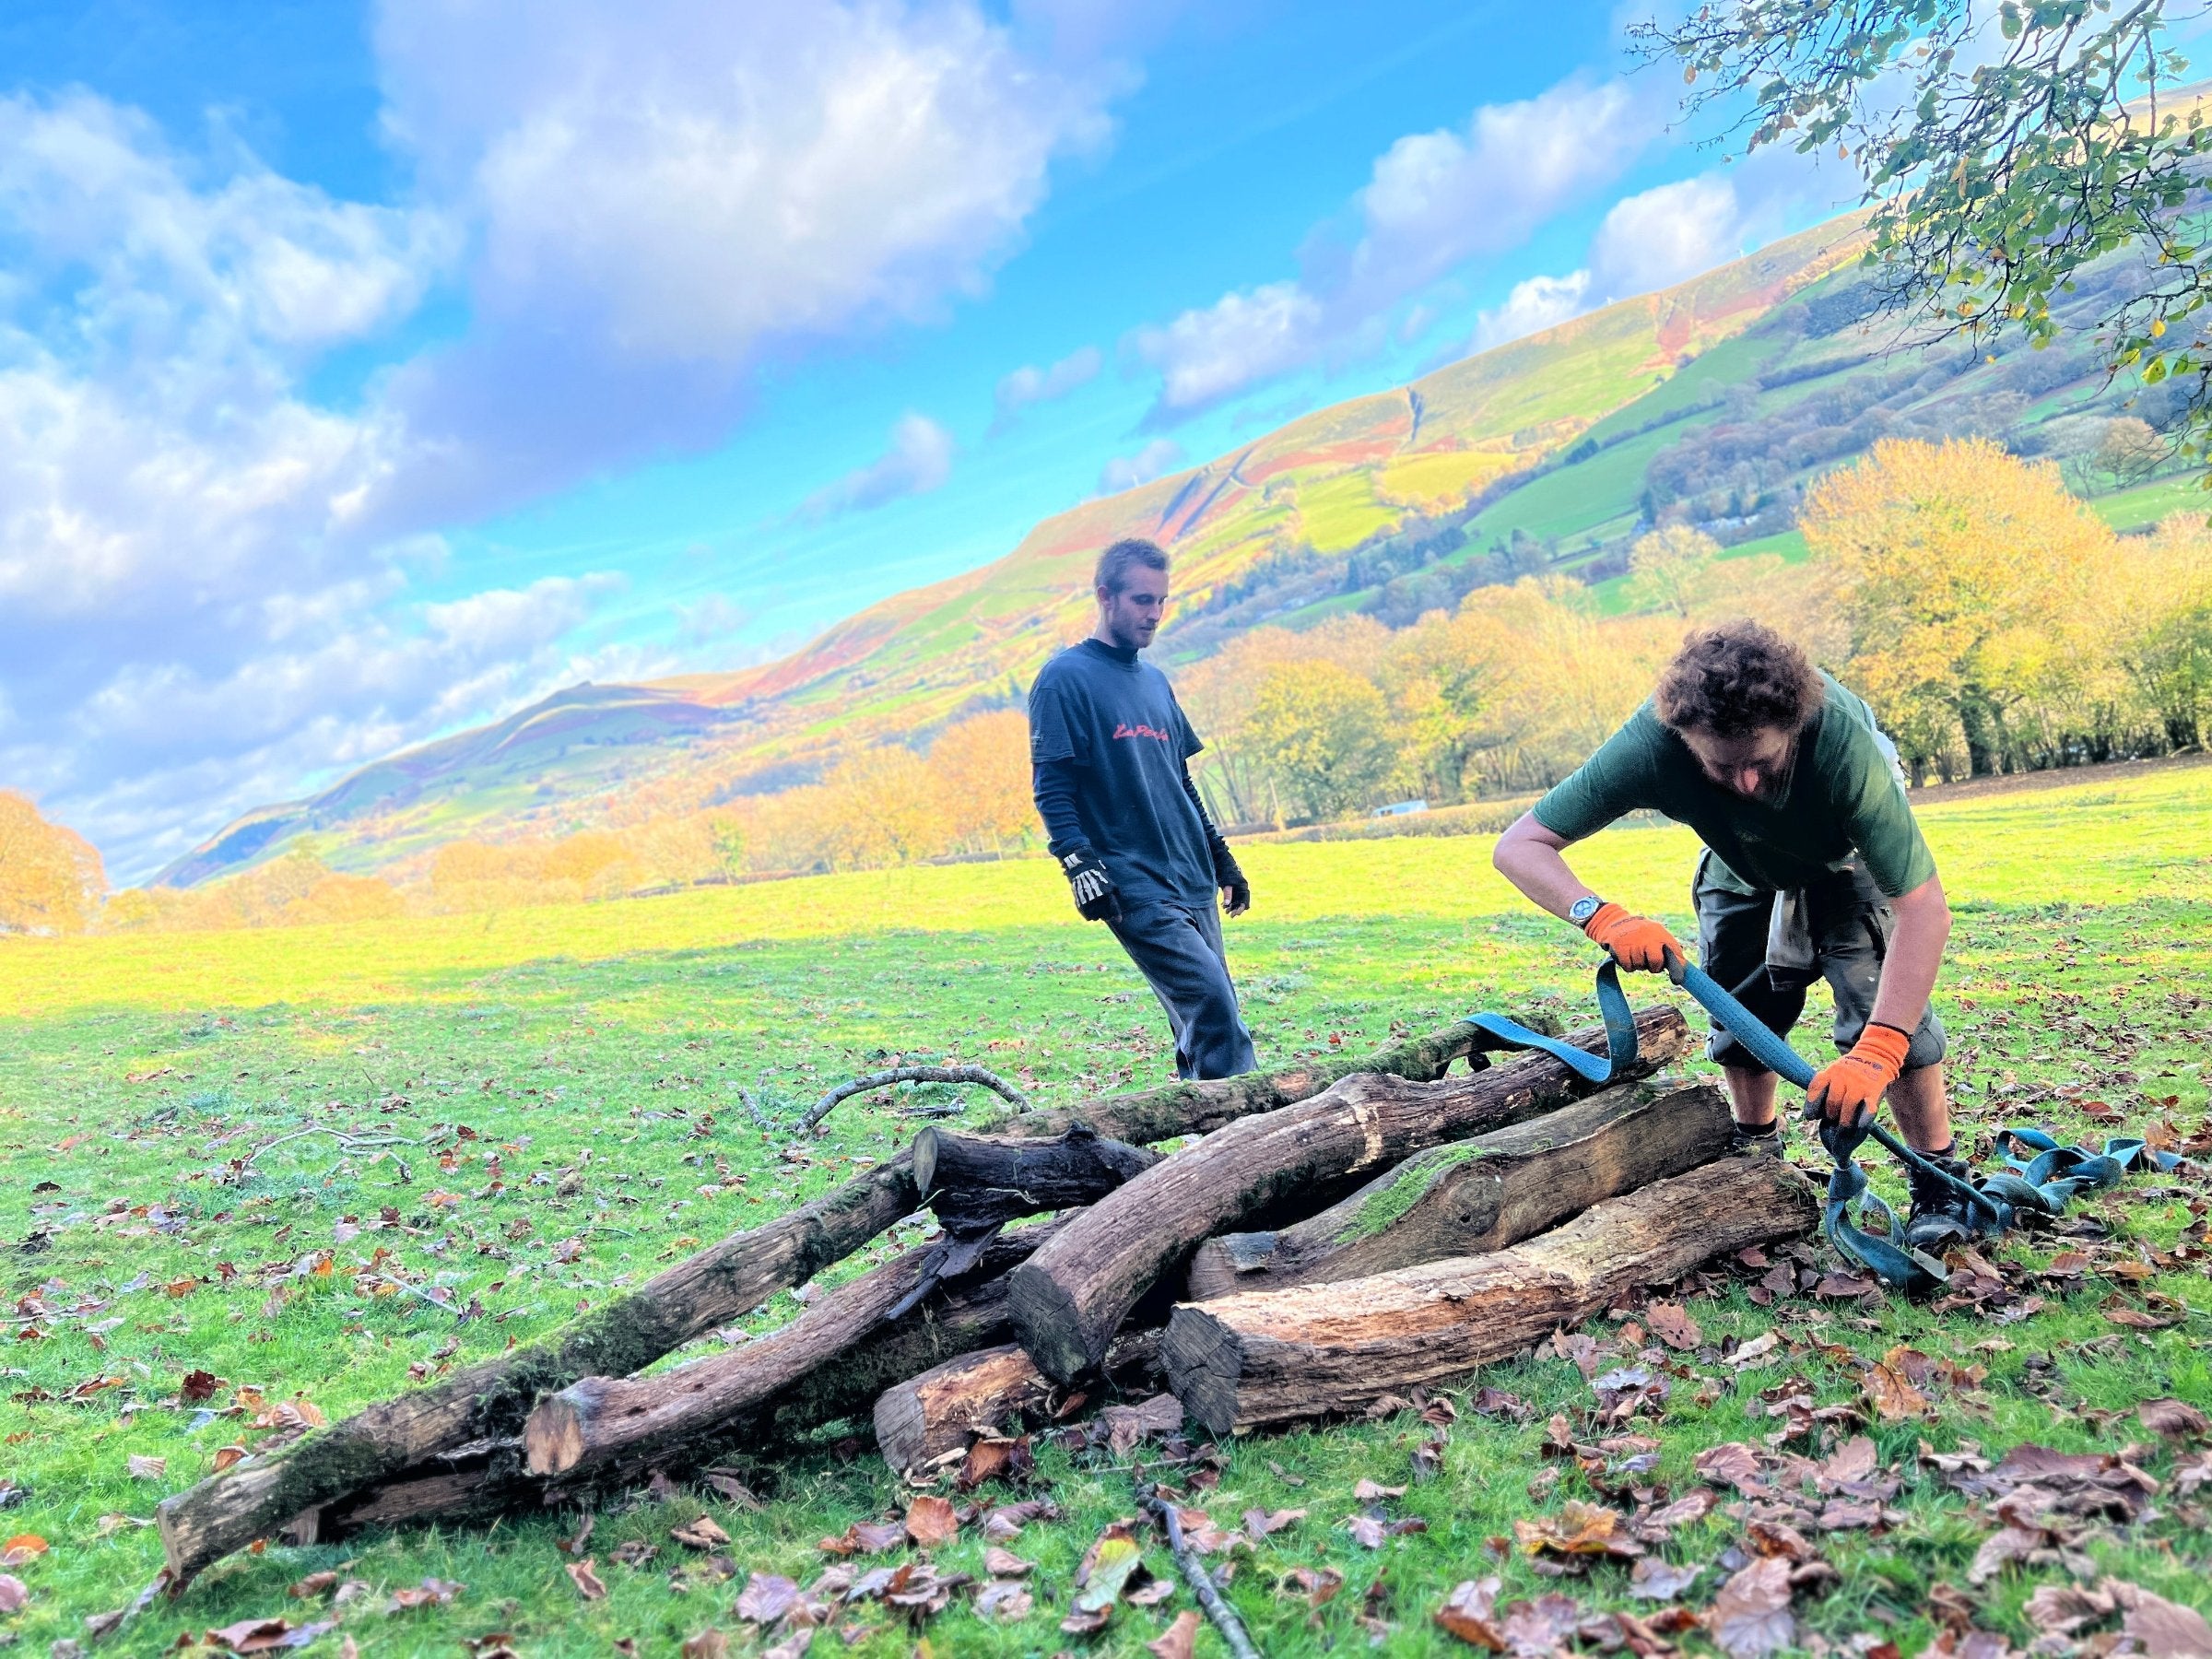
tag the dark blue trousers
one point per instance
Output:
(1179, 952)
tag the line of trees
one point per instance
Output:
(1995, 623)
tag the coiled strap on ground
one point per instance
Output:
(1858, 1224)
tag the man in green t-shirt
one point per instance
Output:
(1814, 868)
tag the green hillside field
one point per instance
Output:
(173, 1211)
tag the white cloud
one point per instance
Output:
(1157, 458)
(1237, 341)
(1667, 235)
(694, 177)
(1433, 202)
(1653, 240)
(1439, 199)
(918, 461)
(1029, 385)
(1533, 306)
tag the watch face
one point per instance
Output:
(1584, 909)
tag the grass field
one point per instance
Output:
(148, 1237)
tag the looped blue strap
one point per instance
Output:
(2045, 1179)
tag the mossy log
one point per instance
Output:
(1269, 1358)
(975, 1183)
(490, 1399)
(936, 1415)
(1171, 1110)
(1480, 1194)
(488, 1478)
(1072, 1296)
(659, 1416)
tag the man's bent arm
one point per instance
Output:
(1054, 783)
(1915, 956)
(1528, 856)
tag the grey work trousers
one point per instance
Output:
(1178, 950)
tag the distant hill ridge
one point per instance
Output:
(1427, 465)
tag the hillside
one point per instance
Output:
(1715, 401)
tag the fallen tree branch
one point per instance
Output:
(599, 1418)
(913, 1074)
(490, 1399)
(1193, 1568)
(1072, 1296)
(974, 1182)
(1147, 1115)
(1269, 1358)
(1481, 1194)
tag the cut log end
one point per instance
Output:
(927, 1416)
(1049, 1324)
(1205, 1359)
(553, 1438)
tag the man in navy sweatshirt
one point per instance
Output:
(1110, 751)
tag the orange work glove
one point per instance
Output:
(1636, 942)
(1847, 1091)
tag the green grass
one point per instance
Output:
(137, 1073)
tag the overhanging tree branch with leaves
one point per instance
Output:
(2004, 150)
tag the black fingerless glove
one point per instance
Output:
(1088, 879)
(1227, 875)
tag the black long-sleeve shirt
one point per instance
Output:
(1109, 750)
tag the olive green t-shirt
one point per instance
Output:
(1845, 796)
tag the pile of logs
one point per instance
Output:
(1340, 1232)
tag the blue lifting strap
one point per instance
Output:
(1858, 1225)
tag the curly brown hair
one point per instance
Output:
(1739, 678)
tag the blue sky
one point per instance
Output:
(366, 371)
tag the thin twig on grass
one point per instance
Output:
(1193, 1568)
(349, 1142)
(914, 1073)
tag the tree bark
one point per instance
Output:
(936, 1414)
(975, 1183)
(602, 1418)
(1481, 1194)
(1178, 1109)
(1275, 1356)
(1070, 1297)
(490, 1399)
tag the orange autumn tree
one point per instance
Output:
(982, 775)
(51, 878)
(1967, 580)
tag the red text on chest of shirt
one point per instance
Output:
(1123, 729)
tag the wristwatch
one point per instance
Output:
(1582, 910)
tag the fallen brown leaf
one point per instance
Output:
(1005, 1564)
(929, 1522)
(1180, 1641)
(14, 1595)
(1672, 1323)
(584, 1575)
(1316, 1585)
(767, 1597)
(707, 1644)
(2174, 1420)
(1005, 1600)
(1469, 1614)
(2161, 1629)
(703, 1534)
(1751, 1616)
